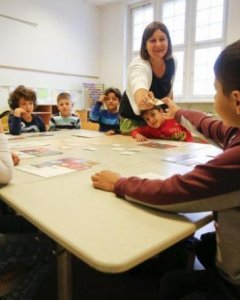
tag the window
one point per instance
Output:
(174, 18)
(197, 32)
(141, 17)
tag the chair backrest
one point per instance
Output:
(4, 118)
(83, 115)
(90, 126)
(11, 279)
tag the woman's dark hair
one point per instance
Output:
(227, 68)
(115, 91)
(148, 32)
(22, 92)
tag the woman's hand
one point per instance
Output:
(144, 99)
(105, 180)
(172, 108)
(140, 138)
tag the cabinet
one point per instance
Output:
(45, 111)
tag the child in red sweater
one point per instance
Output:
(158, 127)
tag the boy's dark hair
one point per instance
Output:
(227, 68)
(157, 107)
(22, 92)
(148, 32)
(64, 96)
(115, 91)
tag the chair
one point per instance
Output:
(83, 115)
(85, 124)
(10, 280)
(4, 118)
(90, 126)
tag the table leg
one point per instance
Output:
(64, 276)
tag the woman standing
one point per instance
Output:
(149, 76)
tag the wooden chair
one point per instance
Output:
(85, 124)
(4, 118)
(10, 280)
(90, 126)
(83, 115)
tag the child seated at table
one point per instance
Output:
(22, 246)
(158, 127)
(64, 119)
(105, 111)
(22, 101)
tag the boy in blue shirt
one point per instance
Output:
(22, 101)
(108, 116)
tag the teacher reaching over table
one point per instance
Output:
(150, 76)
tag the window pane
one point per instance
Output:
(209, 20)
(174, 18)
(203, 18)
(203, 75)
(215, 31)
(178, 36)
(141, 17)
(178, 82)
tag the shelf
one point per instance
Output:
(45, 111)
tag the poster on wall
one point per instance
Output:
(91, 93)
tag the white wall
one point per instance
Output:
(66, 40)
(112, 46)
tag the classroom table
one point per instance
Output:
(108, 233)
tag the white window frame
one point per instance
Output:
(140, 4)
(189, 46)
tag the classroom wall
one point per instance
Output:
(65, 41)
(114, 15)
(112, 46)
(113, 52)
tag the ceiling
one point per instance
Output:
(102, 2)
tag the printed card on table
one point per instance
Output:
(29, 144)
(88, 133)
(157, 145)
(40, 152)
(188, 159)
(59, 166)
